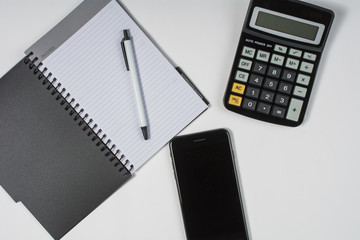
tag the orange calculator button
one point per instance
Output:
(235, 100)
(238, 88)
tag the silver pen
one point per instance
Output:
(129, 56)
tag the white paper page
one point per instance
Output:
(91, 67)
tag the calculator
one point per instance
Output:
(277, 59)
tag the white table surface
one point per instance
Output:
(298, 183)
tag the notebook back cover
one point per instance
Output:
(48, 162)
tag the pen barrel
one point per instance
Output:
(136, 81)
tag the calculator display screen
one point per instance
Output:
(287, 26)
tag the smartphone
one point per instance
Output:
(208, 187)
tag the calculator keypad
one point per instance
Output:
(273, 83)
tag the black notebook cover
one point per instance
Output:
(50, 159)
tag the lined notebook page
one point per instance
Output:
(91, 67)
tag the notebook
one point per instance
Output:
(68, 116)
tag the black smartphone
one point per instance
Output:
(208, 186)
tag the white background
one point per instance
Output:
(298, 183)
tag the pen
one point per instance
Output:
(129, 56)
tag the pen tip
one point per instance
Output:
(145, 132)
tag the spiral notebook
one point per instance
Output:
(69, 126)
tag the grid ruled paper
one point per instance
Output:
(91, 67)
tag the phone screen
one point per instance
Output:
(208, 187)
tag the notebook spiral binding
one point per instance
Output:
(63, 98)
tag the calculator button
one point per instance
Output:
(303, 79)
(259, 68)
(278, 112)
(242, 76)
(294, 109)
(274, 72)
(245, 64)
(277, 59)
(306, 67)
(309, 56)
(248, 52)
(300, 91)
(285, 88)
(252, 92)
(238, 88)
(264, 108)
(249, 104)
(263, 56)
(270, 84)
(281, 100)
(295, 52)
(235, 100)
(267, 96)
(292, 63)
(288, 76)
(280, 49)
(256, 80)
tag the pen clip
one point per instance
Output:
(124, 53)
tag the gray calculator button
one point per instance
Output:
(242, 76)
(309, 56)
(300, 91)
(295, 52)
(281, 100)
(277, 59)
(285, 88)
(278, 112)
(245, 64)
(303, 79)
(306, 67)
(259, 68)
(252, 92)
(294, 109)
(288, 76)
(292, 63)
(267, 96)
(249, 104)
(280, 49)
(263, 56)
(248, 52)
(274, 72)
(256, 80)
(270, 84)
(264, 108)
